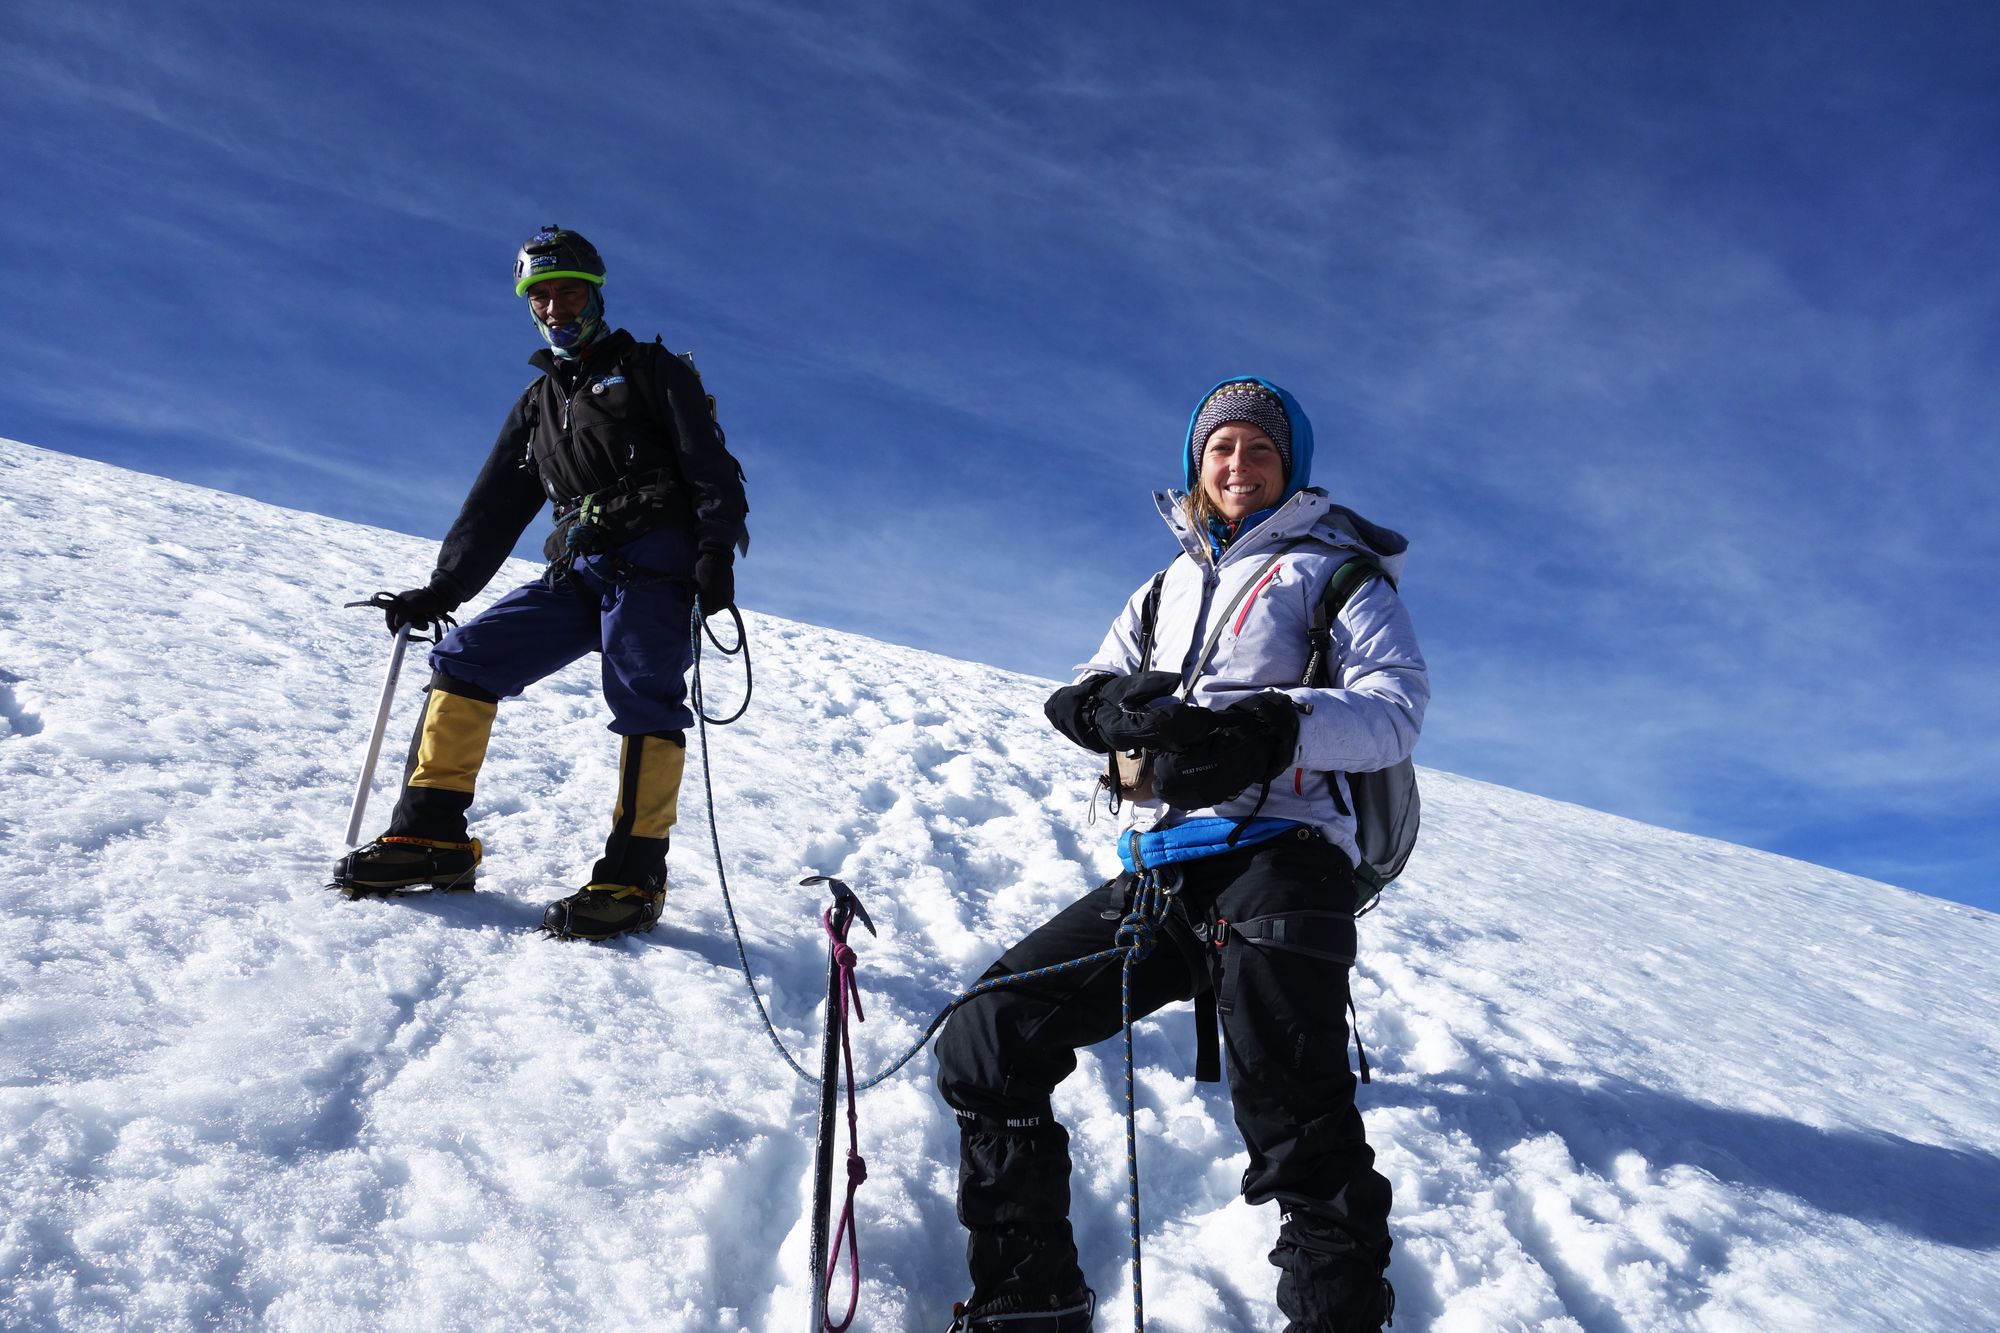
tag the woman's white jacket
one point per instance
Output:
(1367, 719)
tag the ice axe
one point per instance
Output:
(380, 601)
(841, 993)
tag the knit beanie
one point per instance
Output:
(1248, 401)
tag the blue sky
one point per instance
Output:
(1667, 333)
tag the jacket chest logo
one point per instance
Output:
(601, 385)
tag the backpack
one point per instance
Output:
(1386, 807)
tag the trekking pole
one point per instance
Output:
(375, 735)
(840, 986)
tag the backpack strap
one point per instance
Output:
(1340, 589)
(1149, 612)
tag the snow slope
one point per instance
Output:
(1626, 1079)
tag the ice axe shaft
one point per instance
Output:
(846, 909)
(375, 736)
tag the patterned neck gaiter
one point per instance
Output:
(569, 341)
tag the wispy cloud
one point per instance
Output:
(1661, 340)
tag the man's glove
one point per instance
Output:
(1134, 713)
(1251, 741)
(1072, 711)
(428, 605)
(714, 578)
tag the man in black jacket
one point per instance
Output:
(649, 509)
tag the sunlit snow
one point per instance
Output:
(1626, 1079)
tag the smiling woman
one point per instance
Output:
(1245, 830)
(1241, 471)
(1239, 455)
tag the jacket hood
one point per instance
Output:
(1308, 512)
(1300, 475)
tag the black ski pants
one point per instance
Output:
(1270, 929)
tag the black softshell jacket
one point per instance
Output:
(630, 412)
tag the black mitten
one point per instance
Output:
(1133, 713)
(1072, 709)
(1252, 741)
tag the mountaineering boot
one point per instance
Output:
(1068, 1315)
(427, 845)
(628, 884)
(1361, 1301)
(602, 911)
(393, 864)
(1327, 1281)
(1371, 1308)
(649, 787)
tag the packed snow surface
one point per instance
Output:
(1625, 1079)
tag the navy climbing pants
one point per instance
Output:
(630, 606)
(1269, 929)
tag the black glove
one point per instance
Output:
(1072, 711)
(714, 579)
(1127, 720)
(1251, 742)
(418, 607)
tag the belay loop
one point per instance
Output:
(579, 541)
(583, 532)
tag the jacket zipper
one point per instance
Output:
(1255, 593)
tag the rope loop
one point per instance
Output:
(698, 628)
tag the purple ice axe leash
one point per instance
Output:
(843, 996)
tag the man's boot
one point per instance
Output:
(428, 845)
(628, 885)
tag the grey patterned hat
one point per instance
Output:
(1243, 400)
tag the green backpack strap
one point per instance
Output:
(1340, 589)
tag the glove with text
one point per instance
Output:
(1250, 742)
